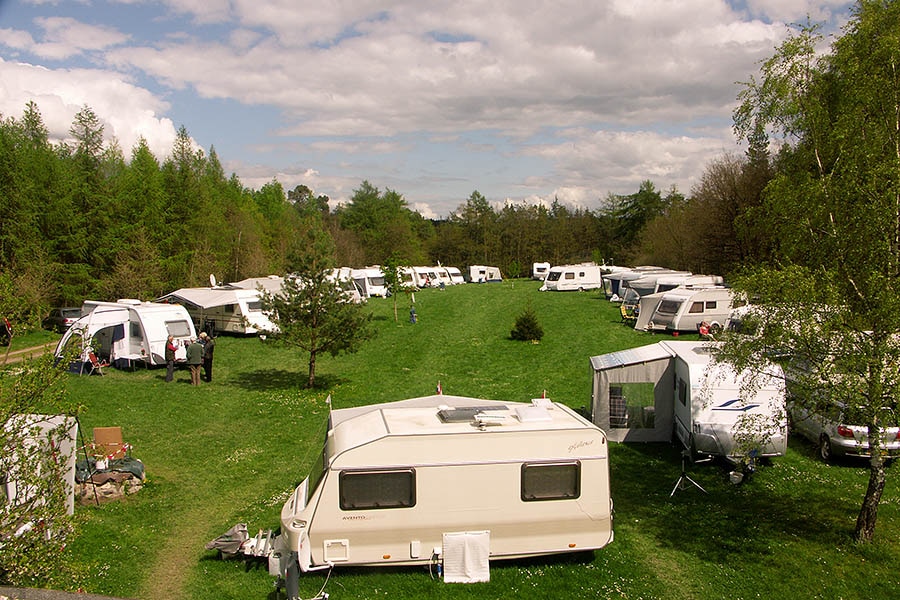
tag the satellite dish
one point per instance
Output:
(212, 280)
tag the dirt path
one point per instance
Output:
(8, 357)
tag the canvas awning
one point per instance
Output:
(651, 364)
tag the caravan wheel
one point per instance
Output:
(715, 329)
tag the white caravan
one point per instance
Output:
(670, 282)
(425, 277)
(539, 270)
(341, 277)
(456, 277)
(394, 482)
(614, 280)
(129, 331)
(573, 278)
(370, 281)
(223, 309)
(713, 404)
(684, 309)
(647, 283)
(673, 388)
(484, 274)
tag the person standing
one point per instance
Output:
(195, 360)
(209, 345)
(170, 358)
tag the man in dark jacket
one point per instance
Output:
(195, 360)
(170, 358)
(209, 345)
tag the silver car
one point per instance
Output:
(833, 436)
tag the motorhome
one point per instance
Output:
(223, 309)
(684, 309)
(539, 270)
(573, 278)
(484, 274)
(676, 389)
(370, 281)
(395, 481)
(129, 331)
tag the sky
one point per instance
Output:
(520, 100)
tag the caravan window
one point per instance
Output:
(696, 307)
(682, 392)
(553, 275)
(178, 328)
(365, 490)
(551, 481)
(668, 307)
(711, 305)
(570, 275)
(254, 305)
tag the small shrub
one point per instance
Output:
(527, 327)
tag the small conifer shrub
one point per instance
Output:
(527, 327)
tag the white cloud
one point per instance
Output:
(126, 111)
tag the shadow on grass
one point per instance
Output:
(282, 379)
(730, 523)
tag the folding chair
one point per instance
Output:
(108, 442)
(96, 364)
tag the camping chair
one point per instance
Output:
(108, 442)
(96, 364)
(627, 316)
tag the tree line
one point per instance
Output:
(78, 220)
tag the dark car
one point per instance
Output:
(60, 319)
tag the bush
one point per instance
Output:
(527, 327)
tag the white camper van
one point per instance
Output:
(484, 274)
(222, 309)
(129, 331)
(650, 393)
(395, 481)
(539, 270)
(573, 278)
(684, 309)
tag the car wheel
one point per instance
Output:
(825, 448)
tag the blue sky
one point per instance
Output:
(523, 101)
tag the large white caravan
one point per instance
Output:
(456, 276)
(648, 283)
(582, 277)
(712, 404)
(394, 481)
(129, 331)
(614, 279)
(425, 277)
(370, 281)
(674, 388)
(484, 274)
(684, 309)
(223, 309)
(670, 282)
(539, 270)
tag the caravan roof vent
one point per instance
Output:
(464, 414)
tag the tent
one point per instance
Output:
(632, 394)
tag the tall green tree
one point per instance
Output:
(310, 311)
(831, 297)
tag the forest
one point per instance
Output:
(79, 219)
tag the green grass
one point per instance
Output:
(232, 450)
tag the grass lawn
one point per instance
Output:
(232, 450)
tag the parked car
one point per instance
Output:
(833, 436)
(60, 319)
